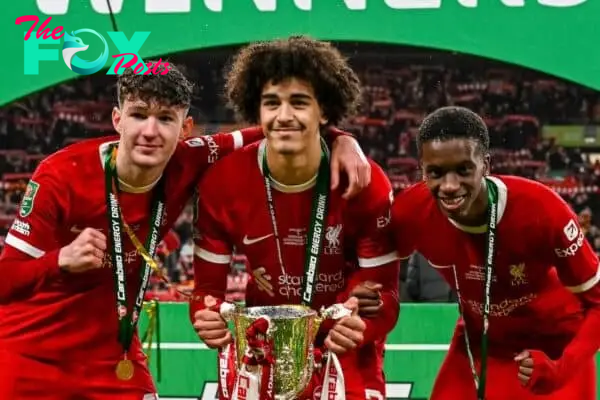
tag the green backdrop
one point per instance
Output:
(414, 353)
(554, 36)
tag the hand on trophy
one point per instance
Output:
(369, 298)
(210, 326)
(347, 333)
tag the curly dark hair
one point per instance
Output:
(336, 86)
(170, 89)
(454, 122)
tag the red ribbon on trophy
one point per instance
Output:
(227, 371)
(234, 385)
(227, 359)
(259, 355)
(334, 387)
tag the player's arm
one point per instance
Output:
(347, 156)
(207, 149)
(213, 147)
(577, 266)
(403, 231)
(30, 255)
(212, 259)
(378, 261)
(212, 253)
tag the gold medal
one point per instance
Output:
(124, 370)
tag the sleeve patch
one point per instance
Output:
(28, 199)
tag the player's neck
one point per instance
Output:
(136, 179)
(294, 169)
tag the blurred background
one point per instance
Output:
(541, 127)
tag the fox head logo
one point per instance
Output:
(73, 45)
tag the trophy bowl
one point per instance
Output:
(293, 329)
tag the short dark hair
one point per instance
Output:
(454, 122)
(336, 85)
(170, 89)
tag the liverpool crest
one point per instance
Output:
(517, 272)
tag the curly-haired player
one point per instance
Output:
(526, 277)
(298, 253)
(335, 84)
(73, 280)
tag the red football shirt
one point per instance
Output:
(543, 261)
(55, 315)
(233, 213)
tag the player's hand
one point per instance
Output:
(347, 333)
(210, 326)
(84, 253)
(369, 298)
(538, 372)
(347, 155)
(525, 363)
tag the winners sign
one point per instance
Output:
(514, 31)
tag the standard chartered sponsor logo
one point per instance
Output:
(504, 308)
(290, 285)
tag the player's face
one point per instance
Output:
(150, 132)
(454, 171)
(290, 115)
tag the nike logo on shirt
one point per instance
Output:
(247, 241)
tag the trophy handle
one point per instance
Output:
(315, 328)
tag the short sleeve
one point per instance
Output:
(372, 210)
(571, 253)
(403, 229)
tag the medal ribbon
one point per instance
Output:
(490, 255)
(316, 232)
(128, 321)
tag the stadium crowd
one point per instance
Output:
(399, 88)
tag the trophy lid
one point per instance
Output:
(282, 312)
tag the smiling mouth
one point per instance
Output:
(452, 203)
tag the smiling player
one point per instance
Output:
(526, 278)
(73, 280)
(278, 210)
